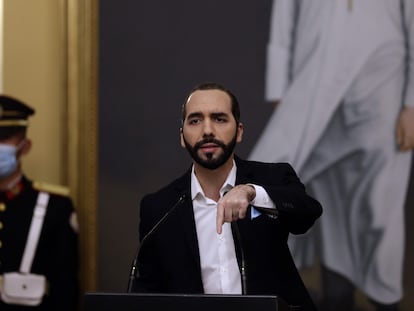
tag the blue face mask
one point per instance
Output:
(8, 160)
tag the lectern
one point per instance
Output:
(184, 302)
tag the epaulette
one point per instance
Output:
(51, 188)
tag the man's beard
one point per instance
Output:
(211, 163)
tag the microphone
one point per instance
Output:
(239, 246)
(133, 270)
(236, 231)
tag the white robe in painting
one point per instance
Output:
(340, 72)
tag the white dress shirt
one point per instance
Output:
(219, 269)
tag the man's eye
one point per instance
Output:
(221, 120)
(194, 121)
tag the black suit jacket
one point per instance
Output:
(169, 260)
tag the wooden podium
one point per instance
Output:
(184, 302)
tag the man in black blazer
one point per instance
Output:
(227, 220)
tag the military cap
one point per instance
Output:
(13, 116)
(13, 112)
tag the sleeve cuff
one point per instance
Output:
(262, 199)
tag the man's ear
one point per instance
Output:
(26, 147)
(182, 138)
(239, 132)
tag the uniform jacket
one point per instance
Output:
(169, 260)
(56, 256)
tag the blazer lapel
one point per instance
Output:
(186, 213)
(244, 173)
(186, 218)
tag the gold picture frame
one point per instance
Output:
(82, 127)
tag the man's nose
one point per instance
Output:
(208, 128)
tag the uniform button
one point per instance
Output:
(2, 207)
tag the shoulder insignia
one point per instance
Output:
(54, 189)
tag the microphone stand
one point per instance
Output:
(235, 227)
(133, 271)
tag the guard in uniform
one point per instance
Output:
(55, 256)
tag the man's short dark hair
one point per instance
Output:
(235, 108)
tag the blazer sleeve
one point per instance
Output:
(297, 210)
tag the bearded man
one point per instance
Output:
(228, 219)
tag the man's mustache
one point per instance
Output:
(209, 140)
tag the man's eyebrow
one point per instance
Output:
(194, 115)
(213, 115)
(218, 114)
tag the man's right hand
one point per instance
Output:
(233, 206)
(275, 103)
(405, 129)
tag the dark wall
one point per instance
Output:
(151, 54)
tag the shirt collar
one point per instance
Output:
(227, 185)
